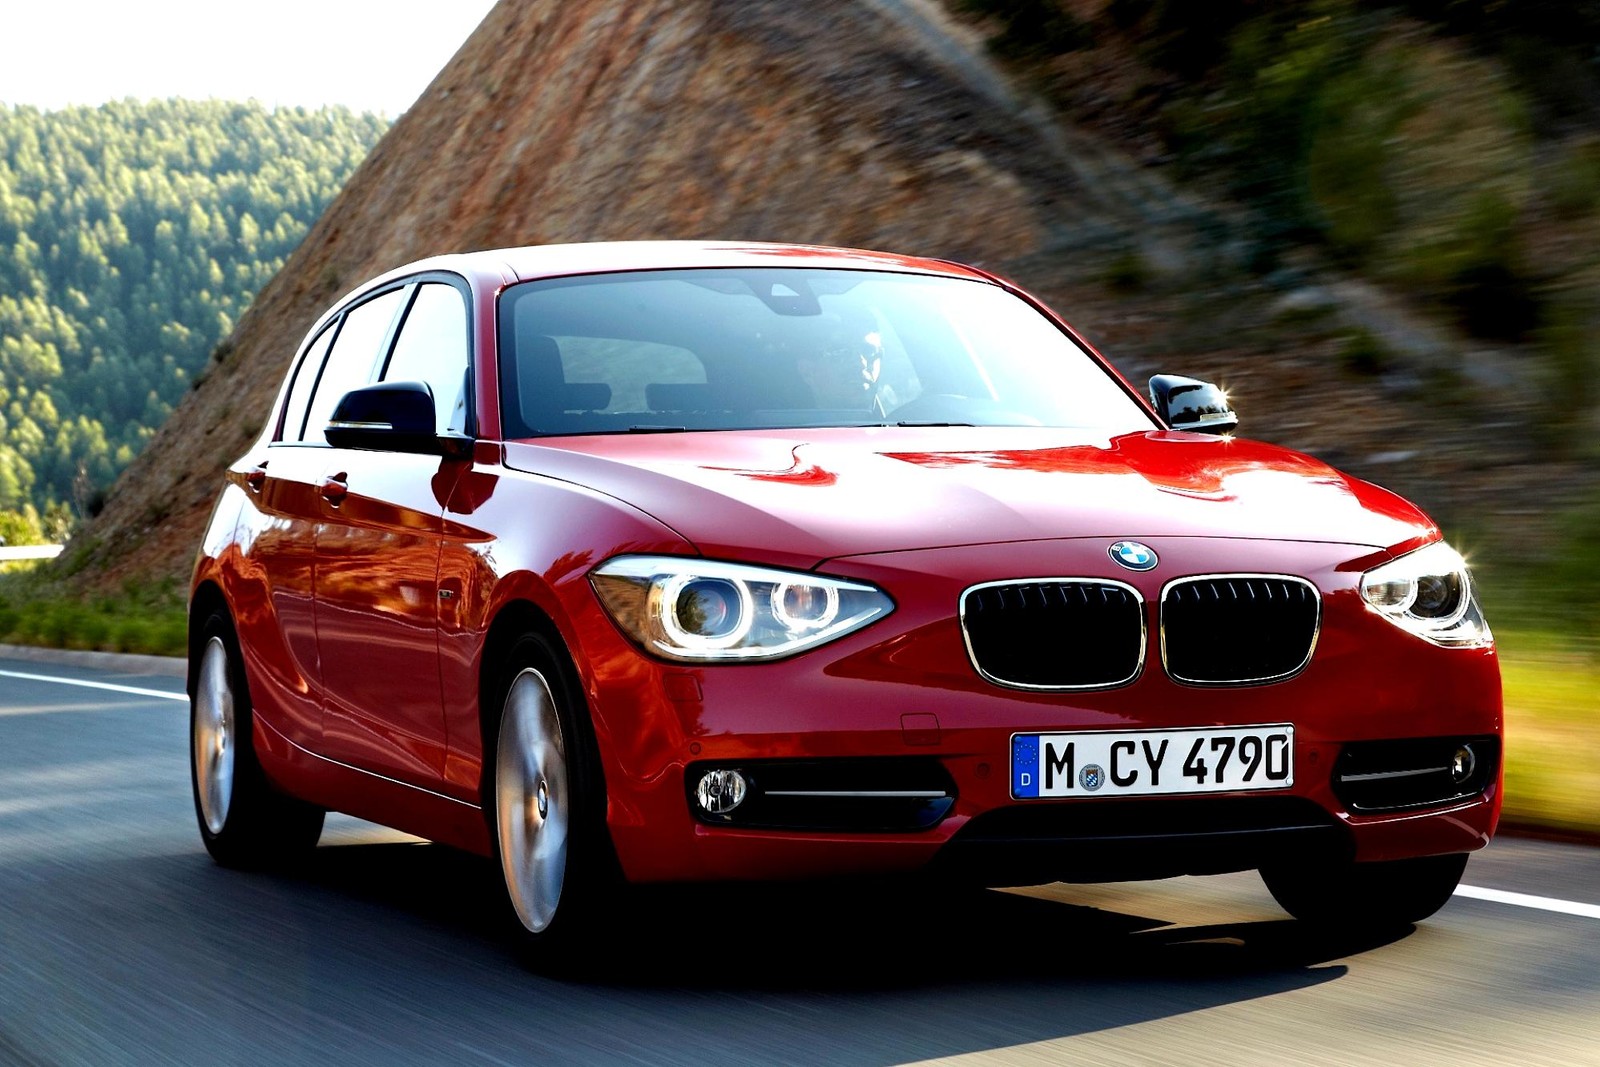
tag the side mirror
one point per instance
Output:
(393, 417)
(1190, 404)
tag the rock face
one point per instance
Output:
(868, 123)
(850, 122)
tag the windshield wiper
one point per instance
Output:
(921, 425)
(658, 429)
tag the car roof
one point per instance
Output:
(551, 260)
(600, 257)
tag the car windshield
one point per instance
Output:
(765, 348)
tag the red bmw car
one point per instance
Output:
(697, 561)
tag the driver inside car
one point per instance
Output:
(844, 369)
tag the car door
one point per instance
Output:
(274, 605)
(377, 588)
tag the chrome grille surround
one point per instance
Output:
(1033, 597)
(1286, 600)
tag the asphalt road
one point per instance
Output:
(121, 943)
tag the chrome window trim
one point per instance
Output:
(1144, 634)
(1311, 648)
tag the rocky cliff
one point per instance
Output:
(873, 123)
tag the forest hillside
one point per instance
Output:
(132, 237)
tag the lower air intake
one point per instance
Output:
(1379, 776)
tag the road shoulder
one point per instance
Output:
(117, 662)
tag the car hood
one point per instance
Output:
(802, 496)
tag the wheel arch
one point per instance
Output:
(514, 619)
(206, 599)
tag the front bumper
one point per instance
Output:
(904, 693)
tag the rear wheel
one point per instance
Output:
(548, 804)
(244, 821)
(1366, 895)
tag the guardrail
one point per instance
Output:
(11, 552)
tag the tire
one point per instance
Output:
(545, 798)
(244, 821)
(1366, 896)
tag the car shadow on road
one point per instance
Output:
(403, 950)
(832, 934)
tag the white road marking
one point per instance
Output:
(132, 690)
(1524, 900)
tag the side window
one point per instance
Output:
(433, 348)
(354, 358)
(305, 378)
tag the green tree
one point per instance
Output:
(132, 237)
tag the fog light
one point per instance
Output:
(719, 792)
(1463, 764)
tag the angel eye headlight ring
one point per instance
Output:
(705, 612)
(1428, 593)
(690, 609)
(802, 606)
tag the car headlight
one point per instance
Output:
(1429, 593)
(696, 610)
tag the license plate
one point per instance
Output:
(1152, 762)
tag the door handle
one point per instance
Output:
(257, 477)
(334, 489)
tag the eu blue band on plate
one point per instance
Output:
(1025, 766)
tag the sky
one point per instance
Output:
(372, 55)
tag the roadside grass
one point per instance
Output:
(1552, 686)
(148, 619)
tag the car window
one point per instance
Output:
(757, 348)
(353, 360)
(432, 348)
(305, 379)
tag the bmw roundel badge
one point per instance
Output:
(1133, 555)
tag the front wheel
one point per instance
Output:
(548, 804)
(244, 821)
(1366, 895)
